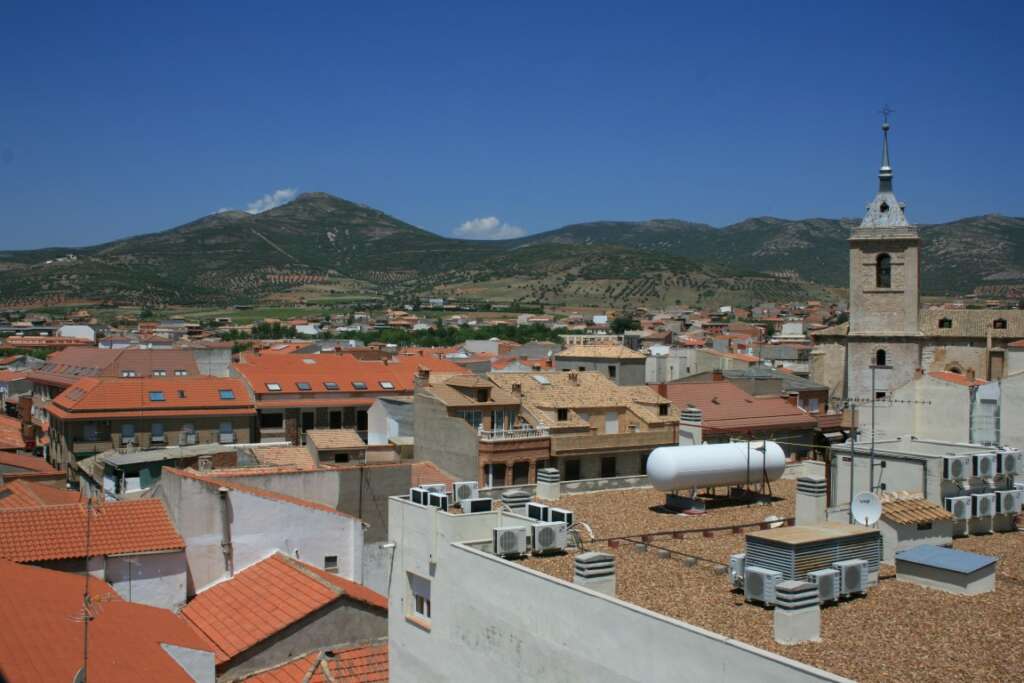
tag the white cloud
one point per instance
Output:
(272, 200)
(488, 228)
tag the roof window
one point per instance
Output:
(128, 373)
(156, 396)
(304, 386)
(331, 386)
(359, 385)
(180, 373)
(386, 385)
(273, 386)
(227, 394)
(181, 393)
(159, 373)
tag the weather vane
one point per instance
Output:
(885, 111)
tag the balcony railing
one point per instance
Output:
(568, 443)
(514, 434)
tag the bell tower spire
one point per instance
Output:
(884, 211)
(885, 173)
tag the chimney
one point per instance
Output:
(574, 377)
(919, 372)
(517, 388)
(970, 374)
(716, 375)
(595, 571)
(793, 398)
(422, 376)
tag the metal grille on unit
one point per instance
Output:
(797, 560)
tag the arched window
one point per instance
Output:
(880, 357)
(883, 271)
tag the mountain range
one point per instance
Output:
(322, 248)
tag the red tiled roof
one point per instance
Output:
(956, 378)
(727, 408)
(91, 397)
(288, 369)
(735, 356)
(32, 342)
(26, 494)
(264, 599)
(1017, 344)
(12, 375)
(41, 639)
(426, 472)
(58, 531)
(286, 456)
(26, 462)
(252, 490)
(359, 664)
(11, 437)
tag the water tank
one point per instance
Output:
(673, 468)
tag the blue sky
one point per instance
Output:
(116, 120)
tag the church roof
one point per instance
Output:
(885, 211)
(969, 323)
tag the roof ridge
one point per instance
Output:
(305, 569)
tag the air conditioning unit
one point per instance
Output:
(827, 581)
(983, 504)
(539, 512)
(560, 515)
(1008, 502)
(759, 584)
(956, 467)
(419, 495)
(438, 500)
(1010, 462)
(470, 505)
(226, 438)
(736, 564)
(985, 465)
(959, 507)
(853, 576)
(549, 537)
(465, 490)
(509, 541)
(435, 488)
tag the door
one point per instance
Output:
(521, 473)
(611, 422)
(572, 469)
(335, 419)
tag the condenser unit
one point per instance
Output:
(538, 511)
(827, 581)
(759, 584)
(983, 504)
(476, 505)
(959, 507)
(465, 490)
(560, 515)
(549, 537)
(985, 465)
(956, 467)
(438, 500)
(435, 488)
(1010, 462)
(736, 565)
(418, 495)
(853, 576)
(509, 541)
(1008, 502)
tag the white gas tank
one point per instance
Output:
(673, 468)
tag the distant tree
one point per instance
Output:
(622, 323)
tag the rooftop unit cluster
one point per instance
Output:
(985, 483)
(464, 494)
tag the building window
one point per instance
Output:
(473, 417)
(226, 433)
(340, 458)
(611, 371)
(883, 271)
(89, 432)
(304, 386)
(572, 469)
(879, 395)
(127, 433)
(924, 526)
(273, 386)
(180, 373)
(945, 324)
(563, 414)
(331, 564)
(128, 373)
(608, 466)
(227, 394)
(663, 409)
(419, 598)
(156, 432)
(156, 396)
(880, 357)
(999, 324)
(386, 385)
(271, 420)
(494, 475)
(520, 473)
(359, 386)
(331, 386)
(159, 373)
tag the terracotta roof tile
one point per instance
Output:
(42, 639)
(58, 531)
(11, 437)
(727, 408)
(285, 456)
(334, 439)
(266, 598)
(29, 463)
(359, 664)
(27, 494)
(109, 397)
(956, 378)
(913, 511)
(610, 351)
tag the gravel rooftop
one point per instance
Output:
(899, 631)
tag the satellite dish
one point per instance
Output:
(866, 508)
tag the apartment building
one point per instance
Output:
(96, 414)
(621, 365)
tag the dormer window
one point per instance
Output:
(384, 384)
(481, 395)
(563, 414)
(999, 324)
(273, 386)
(883, 271)
(663, 409)
(884, 207)
(359, 386)
(945, 324)
(331, 386)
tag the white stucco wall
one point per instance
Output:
(259, 526)
(157, 579)
(499, 621)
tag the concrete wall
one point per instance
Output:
(451, 443)
(157, 579)
(627, 372)
(198, 664)
(900, 537)
(1011, 407)
(828, 366)
(343, 622)
(259, 526)
(499, 621)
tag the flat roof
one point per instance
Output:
(920, 447)
(798, 535)
(959, 561)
